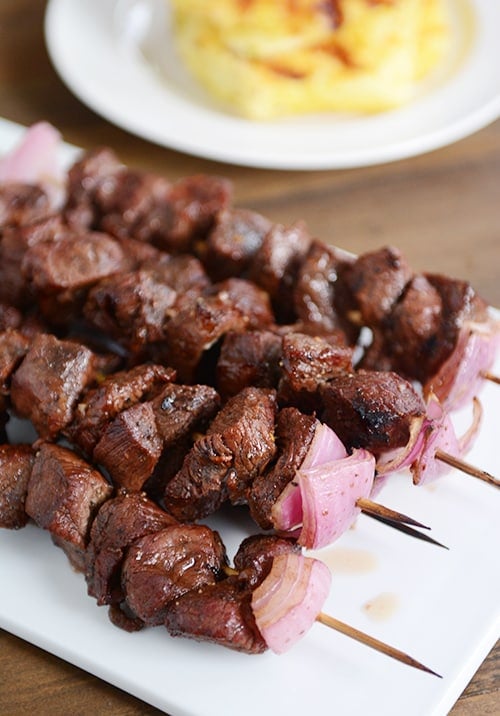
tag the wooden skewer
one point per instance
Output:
(466, 467)
(374, 508)
(401, 527)
(490, 376)
(373, 643)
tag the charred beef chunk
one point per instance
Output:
(368, 288)
(238, 445)
(22, 204)
(61, 272)
(16, 463)
(131, 308)
(246, 359)
(180, 409)
(371, 409)
(13, 347)
(250, 300)
(15, 241)
(220, 613)
(194, 202)
(294, 434)
(94, 172)
(314, 289)
(99, 406)
(307, 362)
(119, 522)
(181, 272)
(160, 567)
(235, 238)
(130, 447)
(255, 555)
(411, 331)
(64, 495)
(46, 386)
(196, 328)
(276, 264)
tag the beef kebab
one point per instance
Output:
(152, 570)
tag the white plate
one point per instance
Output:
(116, 55)
(445, 608)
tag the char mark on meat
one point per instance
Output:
(371, 409)
(248, 359)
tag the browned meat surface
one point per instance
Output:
(99, 406)
(47, 385)
(130, 447)
(276, 264)
(119, 522)
(246, 359)
(369, 287)
(22, 204)
(10, 316)
(181, 272)
(16, 462)
(255, 555)
(307, 362)
(181, 409)
(314, 289)
(13, 347)
(250, 300)
(132, 308)
(220, 613)
(195, 328)
(233, 241)
(371, 409)
(15, 241)
(238, 445)
(161, 567)
(294, 433)
(64, 495)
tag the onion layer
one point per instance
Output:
(287, 602)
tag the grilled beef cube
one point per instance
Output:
(251, 300)
(64, 495)
(371, 409)
(181, 272)
(238, 445)
(93, 172)
(220, 613)
(22, 204)
(189, 215)
(160, 567)
(246, 359)
(10, 316)
(14, 286)
(196, 328)
(307, 362)
(46, 386)
(16, 462)
(233, 241)
(99, 406)
(180, 409)
(13, 347)
(255, 555)
(412, 330)
(314, 289)
(131, 308)
(368, 288)
(119, 522)
(276, 264)
(61, 272)
(130, 447)
(294, 434)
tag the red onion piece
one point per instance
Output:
(287, 602)
(459, 378)
(325, 446)
(329, 496)
(397, 459)
(35, 161)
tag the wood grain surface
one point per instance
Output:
(441, 209)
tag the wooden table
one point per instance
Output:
(441, 209)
